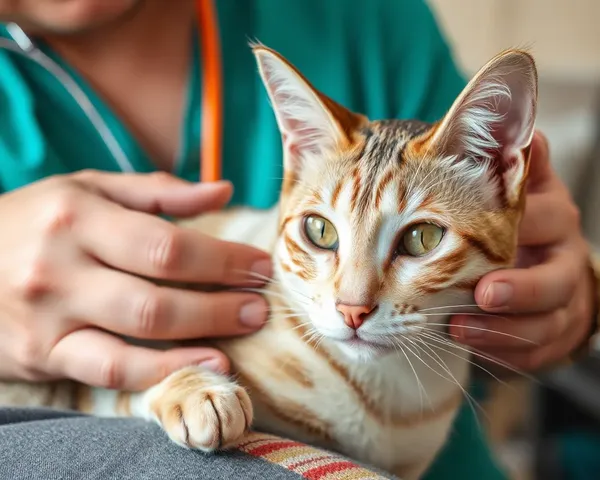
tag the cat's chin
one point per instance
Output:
(361, 351)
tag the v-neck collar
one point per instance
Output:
(136, 154)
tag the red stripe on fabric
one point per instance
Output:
(319, 472)
(272, 447)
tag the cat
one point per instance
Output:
(380, 228)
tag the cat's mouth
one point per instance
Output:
(365, 350)
(360, 342)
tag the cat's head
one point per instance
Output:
(384, 224)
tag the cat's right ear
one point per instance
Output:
(311, 124)
(491, 124)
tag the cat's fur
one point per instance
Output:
(390, 402)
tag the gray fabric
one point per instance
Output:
(50, 445)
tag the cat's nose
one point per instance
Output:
(355, 315)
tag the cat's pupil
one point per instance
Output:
(321, 232)
(319, 226)
(421, 239)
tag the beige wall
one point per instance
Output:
(564, 35)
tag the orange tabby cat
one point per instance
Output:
(381, 226)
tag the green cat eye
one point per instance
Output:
(421, 239)
(321, 232)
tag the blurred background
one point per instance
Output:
(549, 428)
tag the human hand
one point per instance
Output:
(545, 305)
(73, 250)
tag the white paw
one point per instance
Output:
(201, 410)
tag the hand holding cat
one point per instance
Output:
(545, 305)
(73, 254)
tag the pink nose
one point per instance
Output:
(354, 315)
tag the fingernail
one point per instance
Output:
(213, 364)
(262, 267)
(253, 314)
(498, 294)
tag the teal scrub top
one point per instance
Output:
(384, 58)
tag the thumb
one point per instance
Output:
(158, 193)
(540, 169)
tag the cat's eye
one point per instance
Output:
(421, 239)
(321, 232)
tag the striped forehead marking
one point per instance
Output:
(385, 142)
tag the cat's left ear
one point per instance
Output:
(311, 124)
(492, 122)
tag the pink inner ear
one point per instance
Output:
(298, 134)
(495, 120)
(506, 132)
(290, 146)
(491, 124)
(308, 121)
(514, 129)
(299, 137)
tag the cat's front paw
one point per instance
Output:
(200, 409)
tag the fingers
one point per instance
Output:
(152, 247)
(553, 346)
(528, 341)
(540, 288)
(540, 170)
(134, 307)
(158, 192)
(548, 218)
(99, 359)
(546, 355)
(517, 333)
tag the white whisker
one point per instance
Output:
(469, 327)
(459, 356)
(255, 275)
(419, 385)
(484, 356)
(424, 391)
(472, 402)
(448, 306)
(303, 324)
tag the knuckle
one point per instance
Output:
(165, 252)
(111, 373)
(150, 313)
(162, 179)
(86, 174)
(211, 309)
(61, 211)
(35, 282)
(227, 267)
